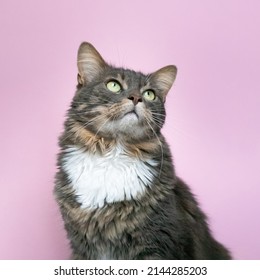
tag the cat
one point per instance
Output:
(116, 186)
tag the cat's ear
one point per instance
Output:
(164, 78)
(90, 63)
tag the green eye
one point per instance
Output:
(114, 86)
(149, 95)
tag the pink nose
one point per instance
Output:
(135, 99)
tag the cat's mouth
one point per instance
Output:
(131, 114)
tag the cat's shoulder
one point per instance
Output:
(186, 199)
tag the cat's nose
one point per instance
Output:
(135, 98)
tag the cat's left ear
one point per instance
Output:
(90, 63)
(164, 78)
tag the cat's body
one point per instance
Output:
(116, 186)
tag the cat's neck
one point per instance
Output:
(80, 136)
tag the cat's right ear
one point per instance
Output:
(90, 63)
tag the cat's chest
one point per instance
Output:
(99, 179)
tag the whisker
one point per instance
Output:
(108, 119)
(97, 118)
(158, 114)
(155, 134)
(158, 122)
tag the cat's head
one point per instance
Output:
(117, 103)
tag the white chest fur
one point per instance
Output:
(109, 178)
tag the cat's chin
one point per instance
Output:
(129, 121)
(131, 116)
(129, 126)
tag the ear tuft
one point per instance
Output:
(90, 63)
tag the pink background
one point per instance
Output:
(213, 123)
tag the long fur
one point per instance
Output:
(116, 185)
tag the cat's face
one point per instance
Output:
(117, 103)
